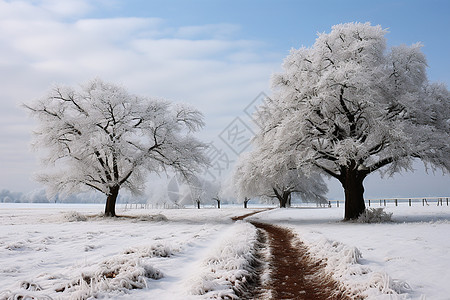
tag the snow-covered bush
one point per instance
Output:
(385, 284)
(17, 246)
(117, 274)
(375, 215)
(229, 267)
(155, 250)
(152, 218)
(73, 216)
(25, 295)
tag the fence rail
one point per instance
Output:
(127, 206)
(426, 201)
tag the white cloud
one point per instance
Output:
(66, 8)
(216, 31)
(117, 28)
(42, 9)
(45, 42)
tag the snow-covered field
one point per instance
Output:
(411, 255)
(54, 251)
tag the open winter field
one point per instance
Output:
(69, 252)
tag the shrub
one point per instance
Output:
(375, 215)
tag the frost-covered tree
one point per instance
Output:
(213, 191)
(199, 190)
(349, 107)
(259, 175)
(100, 136)
(37, 196)
(7, 196)
(160, 197)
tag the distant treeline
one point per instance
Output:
(39, 196)
(161, 197)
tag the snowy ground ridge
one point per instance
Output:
(117, 274)
(113, 276)
(342, 262)
(229, 270)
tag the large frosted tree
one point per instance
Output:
(348, 107)
(99, 136)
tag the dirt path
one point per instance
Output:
(294, 275)
(239, 218)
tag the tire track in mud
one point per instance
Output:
(293, 273)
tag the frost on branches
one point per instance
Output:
(349, 107)
(102, 137)
(197, 190)
(258, 175)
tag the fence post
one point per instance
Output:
(423, 202)
(380, 202)
(447, 201)
(369, 202)
(337, 203)
(384, 202)
(409, 200)
(396, 203)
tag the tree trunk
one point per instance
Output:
(218, 201)
(245, 202)
(110, 208)
(283, 197)
(198, 204)
(354, 194)
(284, 200)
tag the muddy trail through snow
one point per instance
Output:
(293, 273)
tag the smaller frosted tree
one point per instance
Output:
(199, 190)
(257, 175)
(101, 137)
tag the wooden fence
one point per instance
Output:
(126, 206)
(425, 201)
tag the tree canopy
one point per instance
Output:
(347, 107)
(99, 136)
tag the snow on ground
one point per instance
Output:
(44, 248)
(409, 255)
(184, 253)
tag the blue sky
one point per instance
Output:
(216, 55)
(281, 25)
